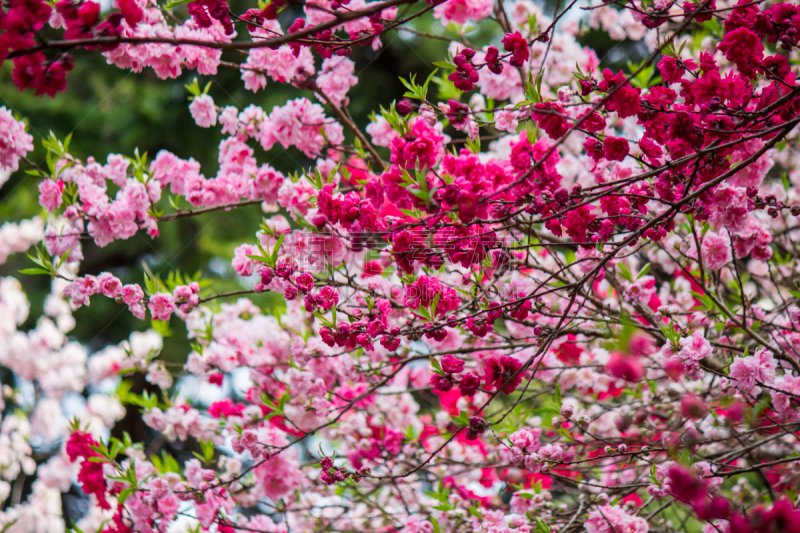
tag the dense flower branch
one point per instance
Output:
(582, 326)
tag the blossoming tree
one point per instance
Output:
(548, 298)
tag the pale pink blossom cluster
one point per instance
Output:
(336, 78)
(381, 131)
(716, 250)
(203, 110)
(301, 124)
(463, 11)
(168, 60)
(612, 518)
(748, 373)
(619, 24)
(522, 354)
(15, 142)
(120, 218)
(281, 64)
(693, 350)
(16, 237)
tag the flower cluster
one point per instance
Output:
(544, 300)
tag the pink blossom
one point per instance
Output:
(506, 119)
(381, 131)
(81, 289)
(743, 47)
(161, 306)
(730, 208)
(670, 70)
(203, 110)
(281, 474)
(18, 237)
(282, 65)
(716, 250)
(187, 296)
(519, 48)
(423, 147)
(168, 506)
(336, 78)
(526, 439)
(14, 141)
(624, 366)
(132, 294)
(616, 148)
(50, 194)
(503, 86)
(242, 264)
(612, 519)
(461, 11)
(753, 239)
(751, 370)
(551, 452)
(300, 123)
(695, 347)
(267, 183)
(109, 284)
(116, 169)
(753, 174)
(786, 404)
(229, 118)
(170, 170)
(416, 525)
(693, 406)
(296, 197)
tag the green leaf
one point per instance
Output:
(447, 89)
(413, 213)
(260, 258)
(208, 450)
(462, 419)
(194, 87)
(434, 304)
(411, 434)
(424, 90)
(277, 248)
(474, 146)
(34, 271)
(173, 3)
(685, 457)
(124, 495)
(625, 273)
